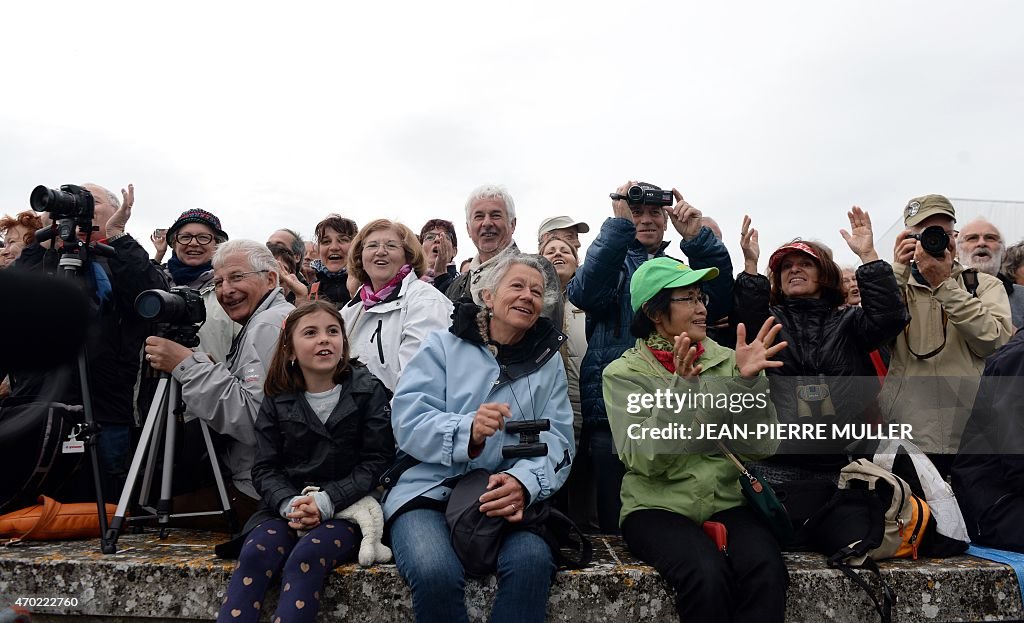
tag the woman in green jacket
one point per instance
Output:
(670, 399)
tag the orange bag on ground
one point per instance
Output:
(50, 520)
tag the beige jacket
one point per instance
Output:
(935, 394)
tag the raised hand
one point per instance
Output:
(118, 220)
(685, 218)
(620, 207)
(860, 237)
(756, 356)
(684, 355)
(749, 245)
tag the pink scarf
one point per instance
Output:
(371, 298)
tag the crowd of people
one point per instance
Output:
(364, 362)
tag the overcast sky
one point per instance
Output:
(274, 114)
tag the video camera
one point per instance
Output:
(934, 240)
(179, 313)
(638, 195)
(529, 438)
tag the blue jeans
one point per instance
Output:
(114, 450)
(421, 542)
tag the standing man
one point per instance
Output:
(633, 234)
(491, 221)
(958, 318)
(564, 227)
(980, 246)
(116, 331)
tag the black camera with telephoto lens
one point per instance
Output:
(69, 202)
(934, 240)
(179, 312)
(529, 438)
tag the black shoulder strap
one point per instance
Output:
(970, 277)
(883, 607)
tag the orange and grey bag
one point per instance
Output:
(52, 521)
(873, 516)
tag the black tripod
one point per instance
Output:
(69, 266)
(162, 420)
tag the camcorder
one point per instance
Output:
(178, 313)
(638, 195)
(529, 438)
(934, 240)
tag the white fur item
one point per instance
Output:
(368, 515)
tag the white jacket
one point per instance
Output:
(386, 336)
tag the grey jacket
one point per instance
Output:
(228, 396)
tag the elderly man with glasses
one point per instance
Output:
(227, 395)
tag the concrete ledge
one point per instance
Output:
(180, 579)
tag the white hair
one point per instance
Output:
(257, 253)
(492, 277)
(488, 191)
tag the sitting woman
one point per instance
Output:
(827, 374)
(393, 311)
(334, 237)
(495, 364)
(673, 486)
(324, 421)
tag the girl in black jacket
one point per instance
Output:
(827, 376)
(325, 420)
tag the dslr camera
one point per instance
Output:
(69, 202)
(529, 438)
(72, 209)
(637, 195)
(179, 313)
(934, 240)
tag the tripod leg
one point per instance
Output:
(221, 489)
(163, 507)
(156, 410)
(133, 472)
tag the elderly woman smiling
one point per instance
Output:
(393, 311)
(672, 487)
(495, 364)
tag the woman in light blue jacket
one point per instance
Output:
(496, 363)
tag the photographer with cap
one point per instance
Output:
(958, 318)
(116, 334)
(633, 234)
(227, 395)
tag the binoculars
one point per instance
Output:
(529, 438)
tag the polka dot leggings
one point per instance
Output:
(303, 564)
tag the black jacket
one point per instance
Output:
(988, 474)
(332, 288)
(344, 457)
(115, 338)
(827, 345)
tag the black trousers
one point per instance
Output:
(748, 585)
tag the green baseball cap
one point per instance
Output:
(659, 273)
(920, 208)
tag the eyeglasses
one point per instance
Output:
(432, 237)
(187, 238)
(390, 245)
(235, 278)
(693, 298)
